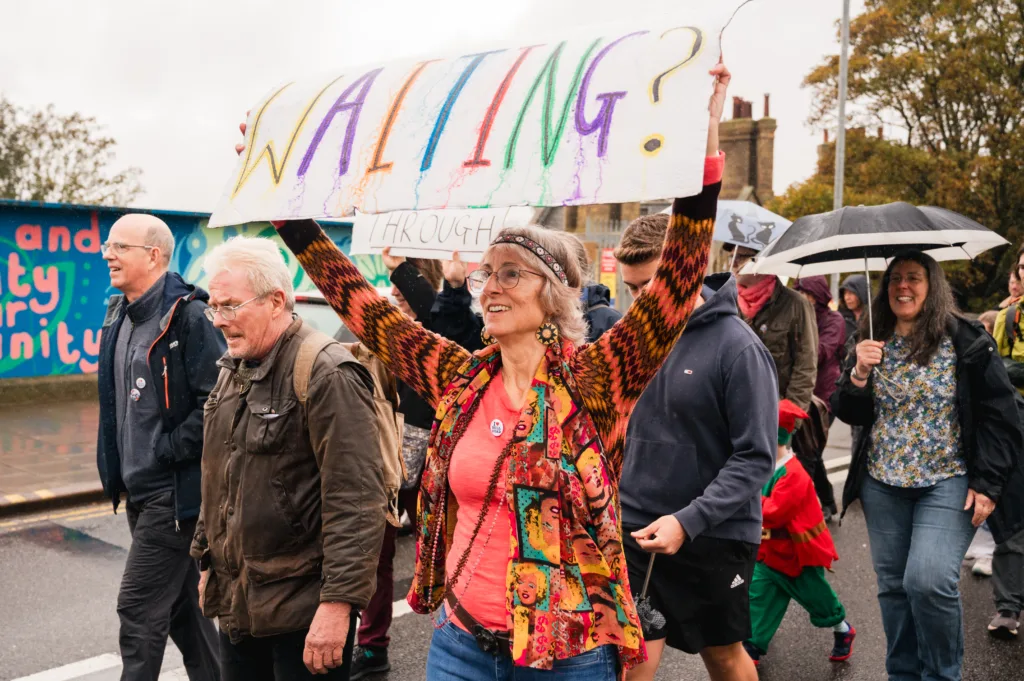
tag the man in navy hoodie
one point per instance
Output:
(700, 445)
(158, 363)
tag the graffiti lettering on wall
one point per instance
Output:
(54, 284)
(600, 118)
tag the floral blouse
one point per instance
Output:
(915, 441)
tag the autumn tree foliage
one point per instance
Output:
(948, 77)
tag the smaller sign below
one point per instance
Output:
(609, 274)
(435, 233)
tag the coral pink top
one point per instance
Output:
(481, 589)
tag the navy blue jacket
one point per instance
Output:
(598, 311)
(701, 441)
(183, 363)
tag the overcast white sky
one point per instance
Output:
(171, 80)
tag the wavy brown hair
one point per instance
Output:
(937, 313)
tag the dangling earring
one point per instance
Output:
(487, 338)
(547, 334)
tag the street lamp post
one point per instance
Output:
(837, 192)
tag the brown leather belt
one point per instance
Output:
(774, 533)
(497, 643)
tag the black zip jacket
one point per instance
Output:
(449, 314)
(990, 425)
(183, 363)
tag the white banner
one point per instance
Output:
(610, 117)
(435, 233)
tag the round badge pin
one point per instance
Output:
(140, 383)
(497, 427)
(135, 394)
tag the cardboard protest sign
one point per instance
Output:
(602, 118)
(435, 233)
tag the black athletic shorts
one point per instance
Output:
(703, 590)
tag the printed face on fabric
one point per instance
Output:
(567, 584)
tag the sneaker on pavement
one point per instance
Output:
(754, 652)
(983, 566)
(1004, 625)
(368, 661)
(842, 650)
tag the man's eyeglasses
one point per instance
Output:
(120, 248)
(508, 277)
(227, 312)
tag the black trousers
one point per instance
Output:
(160, 596)
(278, 658)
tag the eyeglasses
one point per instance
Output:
(508, 277)
(227, 312)
(120, 248)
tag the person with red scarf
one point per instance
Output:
(785, 323)
(796, 549)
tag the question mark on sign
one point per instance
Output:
(653, 144)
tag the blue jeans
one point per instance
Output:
(918, 539)
(454, 656)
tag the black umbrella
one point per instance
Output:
(867, 237)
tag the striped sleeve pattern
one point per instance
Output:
(613, 372)
(423, 360)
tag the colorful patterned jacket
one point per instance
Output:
(795, 535)
(569, 438)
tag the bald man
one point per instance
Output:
(158, 364)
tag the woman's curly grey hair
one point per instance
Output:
(560, 303)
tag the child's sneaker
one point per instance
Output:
(843, 648)
(754, 652)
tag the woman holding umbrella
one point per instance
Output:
(939, 440)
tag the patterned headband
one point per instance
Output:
(537, 250)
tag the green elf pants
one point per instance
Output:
(771, 591)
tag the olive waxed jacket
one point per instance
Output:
(294, 507)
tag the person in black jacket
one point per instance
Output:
(596, 298)
(449, 313)
(940, 439)
(158, 364)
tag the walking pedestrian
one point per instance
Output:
(810, 442)
(796, 549)
(1005, 562)
(940, 439)
(448, 313)
(693, 472)
(294, 500)
(537, 590)
(597, 301)
(157, 364)
(853, 301)
(785, 323)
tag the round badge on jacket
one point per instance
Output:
(497, 427)
(140, 383)
(135, 394)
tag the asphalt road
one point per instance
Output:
(60, 572)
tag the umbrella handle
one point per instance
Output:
(647, 578)
(871, 320)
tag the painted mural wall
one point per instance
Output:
(54, 285)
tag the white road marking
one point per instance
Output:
(76, 669)
(838, 462)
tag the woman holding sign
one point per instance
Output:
(519, 549)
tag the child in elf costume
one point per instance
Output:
(796, 549)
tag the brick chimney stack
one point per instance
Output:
(750, 147)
